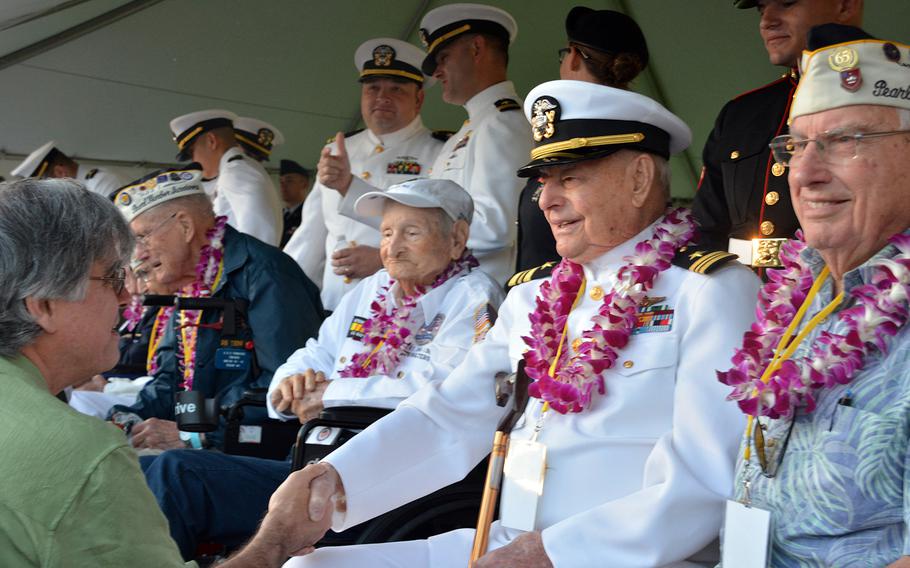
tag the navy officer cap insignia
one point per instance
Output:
(383, 55)
(544, 114)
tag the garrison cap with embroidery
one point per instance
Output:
(257, 137)
(37, 164)
(573, 121)
(845, 66)
(158, 187)
(422, 193)
(445, 24)
(390, 58)
(190, 126)
(606, 31)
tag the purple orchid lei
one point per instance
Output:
(210, 258)
(388, 331)
(571, 387)
(880, 310)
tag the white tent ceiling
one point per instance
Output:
(104, 77)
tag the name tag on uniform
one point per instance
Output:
(747, 536)
(227, 359)
(522, 486)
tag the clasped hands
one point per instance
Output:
(301, 393)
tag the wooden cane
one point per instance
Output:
(516, 400)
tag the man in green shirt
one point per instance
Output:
(72, 491)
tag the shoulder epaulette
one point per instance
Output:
(541, 271)
(507, 104)
(91, 174)
(237, 157)
(763, 87)
(442, 135)
(703, 260)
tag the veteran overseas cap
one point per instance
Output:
(190, 126)
(156, 188)
(390, 58)
(445, 24)
(37, 164)
(573, 121)
(607, 31)
(863, 71)
(257, 137)
(422, 193)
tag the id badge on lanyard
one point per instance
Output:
(747, 535)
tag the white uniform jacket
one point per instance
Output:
(482, 157)
(447, 321)
(376, 163)
(99, 180)
(244, 193)
(639, 479)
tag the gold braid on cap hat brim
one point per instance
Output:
(547, 150)
(397, 72)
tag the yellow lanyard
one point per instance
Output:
(786, 348)
(562, 341)
(154, 340)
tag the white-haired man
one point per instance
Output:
(619, 341)
(824, 375)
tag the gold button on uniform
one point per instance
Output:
(400, 374)
(365, 175)
(772, 197)
(767, 227)
(342, 359)
(576, 344)
(734, 154)
(627, 364)
(597, 293)
(778, 169)
(378, 149)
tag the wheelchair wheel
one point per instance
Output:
(428, 516)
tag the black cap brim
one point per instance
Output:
(533, 167)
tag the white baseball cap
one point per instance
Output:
(421, 193)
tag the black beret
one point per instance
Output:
(607, 31)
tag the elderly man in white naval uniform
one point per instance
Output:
(49, 162)
(239, 186)
(335, 251)
(467, 52)
(640, 442)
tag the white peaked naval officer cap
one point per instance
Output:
(190, 126)
(390, 58)
(573, 121)
(421, 193)
(38, 162)
(257, 136)
(445, 24)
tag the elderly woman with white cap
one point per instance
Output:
(404, 328)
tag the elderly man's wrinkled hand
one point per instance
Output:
(310, 405)
(156, 434)
(291, 507)
(526, 551)
(334, 170)
(295, 388)
(357, 261)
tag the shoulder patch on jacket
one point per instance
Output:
(234, 158)
(702, 260)
(331, 138)
(541, 271)
(507, 104)
(91, 174)
(442, 135)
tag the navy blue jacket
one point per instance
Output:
(284, 311)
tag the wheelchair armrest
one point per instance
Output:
(361, 415)
(255, 397)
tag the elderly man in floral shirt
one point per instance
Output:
(824, 375)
